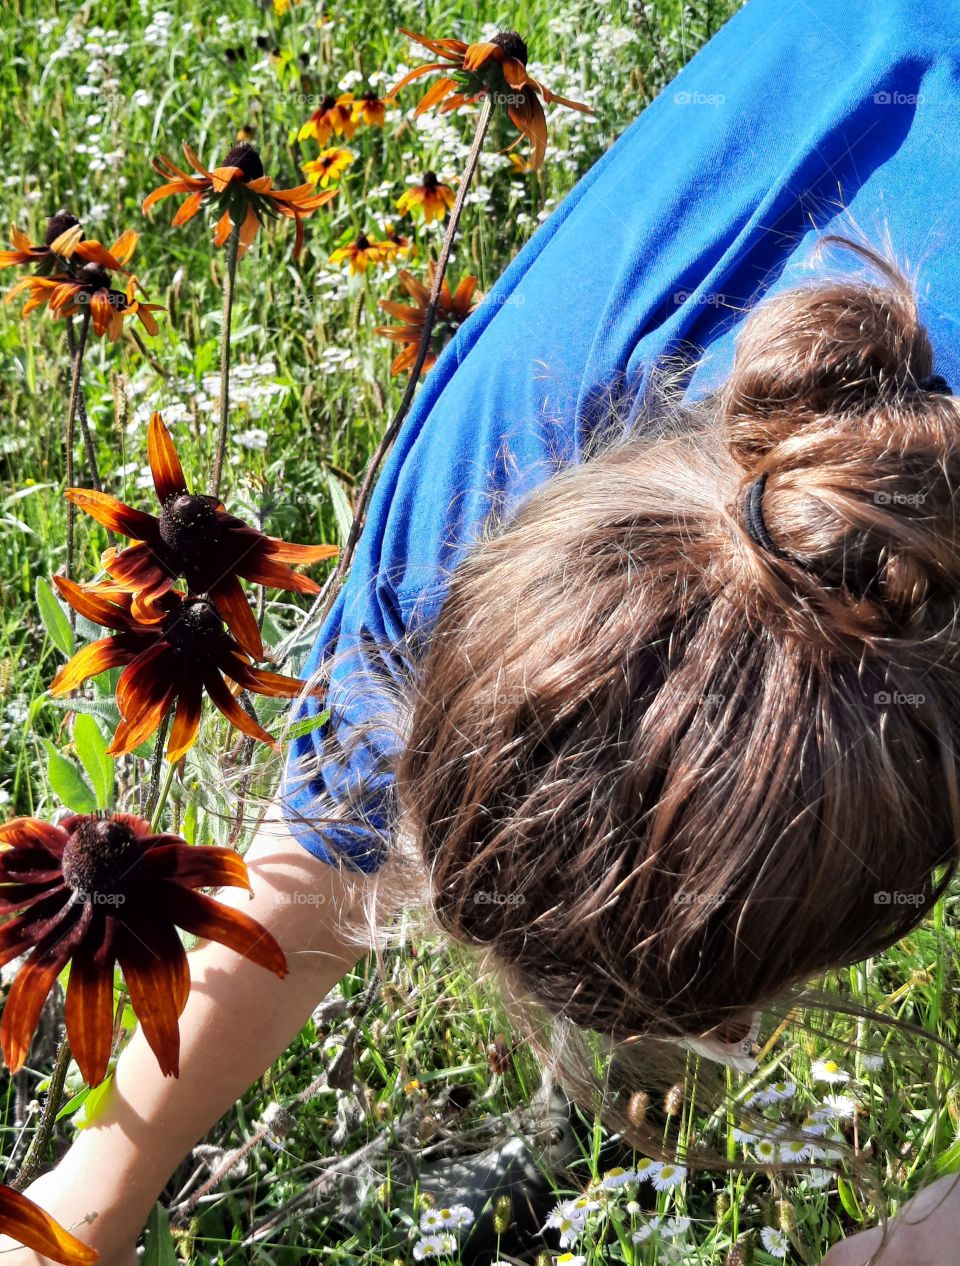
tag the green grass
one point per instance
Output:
(311, 397)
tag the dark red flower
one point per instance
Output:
(195, 538)
(97, 890)
(181, 653)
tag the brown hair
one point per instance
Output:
(659, 774)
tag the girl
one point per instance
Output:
(664, 734)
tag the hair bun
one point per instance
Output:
(822, 351)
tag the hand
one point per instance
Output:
(927, 1230)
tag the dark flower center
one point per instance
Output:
(327, 104)
(198, 545)
(430, 180)
(247, 159)
(194, 628)
(58, 224)
(362, 243)
(370, 97)
(93, 277)
(513, 45)
(99, 857)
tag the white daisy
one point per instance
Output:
(765, 1150)
(431, 1221)
(456, 1216)
(581, 1205)
(568, 1222)
(816, 1124)
(746, 1137)
(668, 1177)
(829, 1070)
(774, 1241)
(676, 1228)
(434, 1246)
(871, 1063)
(617, 1177)
(780, 1090)
(799, 1150)
(649, 1228)
(646, 1168)
(843, 1107)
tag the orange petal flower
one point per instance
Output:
(240, 190)
(333, 117)
(329, 165)
(173, 654)
(452, 310)
(368, 108)
(194, 537)
(97, 890)
(431, 198)
(363, 253)
(496, 68)
(28, 1224)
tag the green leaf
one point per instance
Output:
(54, 618)
(342, 511)
(159, 1250)
(94, 1102)
(92, 749)
(848, 1199)
(68, 782)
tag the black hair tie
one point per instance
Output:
(934, 382)
(753, 519)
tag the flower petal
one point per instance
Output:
(90, 661)
(188, 209)
(33, 982)
(95, 605)
(164, 463)
(88, 1013)
(235, 714)
(186, 723)
(114, 514)
(231, 602)
(28, 1224)
(195, 866)
(203, 916)
(155, 970)
(31, 831)
(259, 680)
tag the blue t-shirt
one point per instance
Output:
(796, 119)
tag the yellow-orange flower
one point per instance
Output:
(240, 190)
(402, 244)
(89, 286)
(496, 68)
(452, 310)
(368, 108)
(363, 253)
(431, 198)
(329, 165)
(333, 117)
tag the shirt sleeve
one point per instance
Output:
(793, 121)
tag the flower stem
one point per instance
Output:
(48, 1118)
(153, 793)
(88, 447)
(430, 312)
(71, 416)
(233, 250)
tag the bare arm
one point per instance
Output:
(238, 1020)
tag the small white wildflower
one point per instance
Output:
(765, 1149)
(646, 1168)
(649, 1228)
(746, 1137)
(455, 1216)
(798, 1150)
(843, 1107)
(669, 1176)
(434, 1246)
(430, 1220)
(871, 1063)
(568, 1222)
(817, 1178)
(570, 1259)
(774, 1241)
(780, 1090)
(617, 1177)
(816, 1123)
(676, 1228)
(581, 1205)
(829, 1070)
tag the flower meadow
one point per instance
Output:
(240, 236)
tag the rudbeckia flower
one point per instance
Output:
(452, 310)
(63, 239)
(182, 652)
(28, 1224)
(402, 244)
(330, 164)
(432, 198)
(96, 890)
(363, 253)
(333, 117)
(368, 108)
(88, 285)
(240, 190)
(195, 538)
(495, 68)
